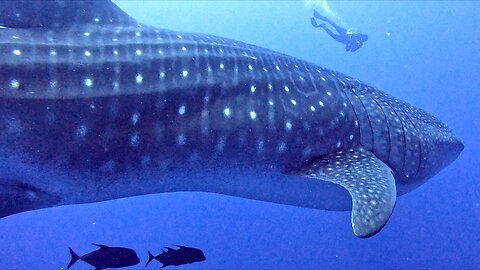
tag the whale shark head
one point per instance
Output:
(428, 146)
(438, 146)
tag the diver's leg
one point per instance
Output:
(315, 24)
(319, 16)
(333, 35)
(340, 30)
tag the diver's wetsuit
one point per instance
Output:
(352, 41)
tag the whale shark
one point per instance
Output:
(97, 106)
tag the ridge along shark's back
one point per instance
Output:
(96, 106)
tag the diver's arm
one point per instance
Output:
(348, 47)
(355, 46)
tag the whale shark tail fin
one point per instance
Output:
(60, 13)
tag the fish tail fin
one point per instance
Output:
(74, 259)
(150, 258)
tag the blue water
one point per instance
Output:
(425, 53)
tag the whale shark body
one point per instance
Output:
(96, 106)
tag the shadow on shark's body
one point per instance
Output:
(96, 106)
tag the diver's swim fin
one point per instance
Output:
(315, 24)
(317, 15)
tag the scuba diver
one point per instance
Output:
(352, 41)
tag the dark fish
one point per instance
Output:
(96, 106)
(107, 257)
(176, 257)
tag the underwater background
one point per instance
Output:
(426, 53)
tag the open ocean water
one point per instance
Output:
(423, 52)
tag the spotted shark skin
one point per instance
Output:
(97, 106)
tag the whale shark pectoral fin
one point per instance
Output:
(368, 180)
